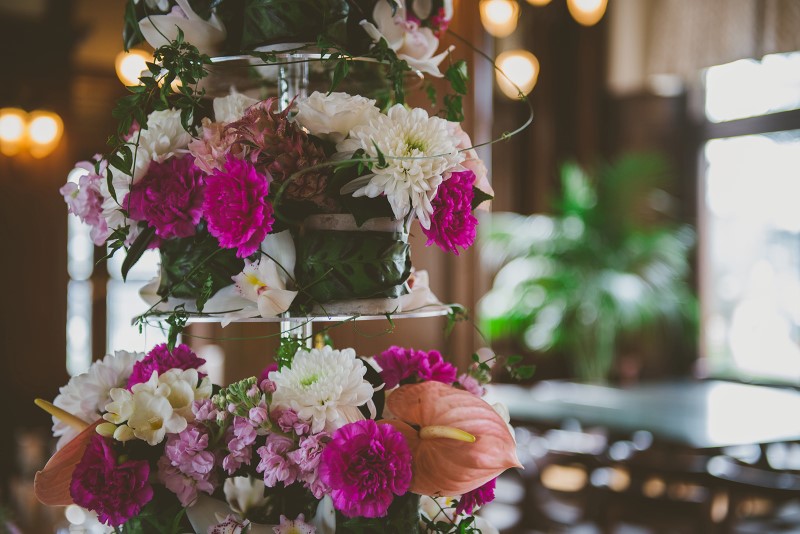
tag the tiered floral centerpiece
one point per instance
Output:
(326, 426)
(262, 210)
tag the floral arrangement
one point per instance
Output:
(325, 439)
(226, 208)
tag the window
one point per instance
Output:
(750, 220)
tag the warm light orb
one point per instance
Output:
(499, 17)
(130, 65)
(587, 12)
(520, 67)
(13, 126)
(44, 132)
(538, 3)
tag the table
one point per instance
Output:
(696, 414)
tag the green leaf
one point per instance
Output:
(454, 111)
(458, 77)
(334, 265)
(137, 249)
(293, 21)
(131, 35)
(339, 74)
(479, 197)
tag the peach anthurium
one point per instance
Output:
(458, 442)
(51, 484)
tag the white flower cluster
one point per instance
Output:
(154, 408)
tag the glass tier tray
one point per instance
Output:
(432, 311)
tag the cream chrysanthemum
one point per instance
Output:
(418, 150)
(86, 395)
(324, 386)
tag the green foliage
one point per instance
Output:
(138, 248)
(293, 21)
(195, 267)
(402, 518)
(287, 349)
(606, 264)
(333, 265)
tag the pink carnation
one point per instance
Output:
(85, 199)
(476, 498)
(211, 150)
(452, 223)
(169, 198)
(398, 364)
(236, 206)
(366, 464)
(433, 367)
(115, 490)
(160, 359)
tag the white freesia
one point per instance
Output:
(324, 386)
(86, 395)
(159, 406)
(418, 152)
(232, 107)
(244, 494)
(332, 116)
(412, 42)
(206, 35)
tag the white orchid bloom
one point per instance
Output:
(206, 35)
(412, 43)
(264, 280)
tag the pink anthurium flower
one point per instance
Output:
(458, 442)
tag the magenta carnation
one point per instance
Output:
(476, 498)
(85, 199)
(161, 360)
(433, 367)
(366, 464)
(236, 206)
(452, 223)
(115, 490)
(397, 364)
(169, 198)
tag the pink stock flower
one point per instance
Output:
(236, 206)
(240, 437)
(169, 198)
(274, 463)
(185, 487)
(452, 224)
(85, 199)
(160, 359)
(288, 421)
(476, 498)
(204, 410)
(471, 384)
(366, 464)
(187, 467)
(115, 490)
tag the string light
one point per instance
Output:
(38, 132)
(13, 130)
(521, 67)
(129, 65)
(499, 17)
(587, 12)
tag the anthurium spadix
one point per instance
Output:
(458, 441)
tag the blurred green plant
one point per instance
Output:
(608, 262)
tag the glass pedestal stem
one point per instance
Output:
(292, 79)
(299, 328)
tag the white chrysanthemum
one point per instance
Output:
(418, 151)
(324, 386)
(86, 395)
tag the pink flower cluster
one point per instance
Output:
(187, 466)
(399, 365)
(85, 199)
(116, 490)
(286, 459)
(161, 359)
